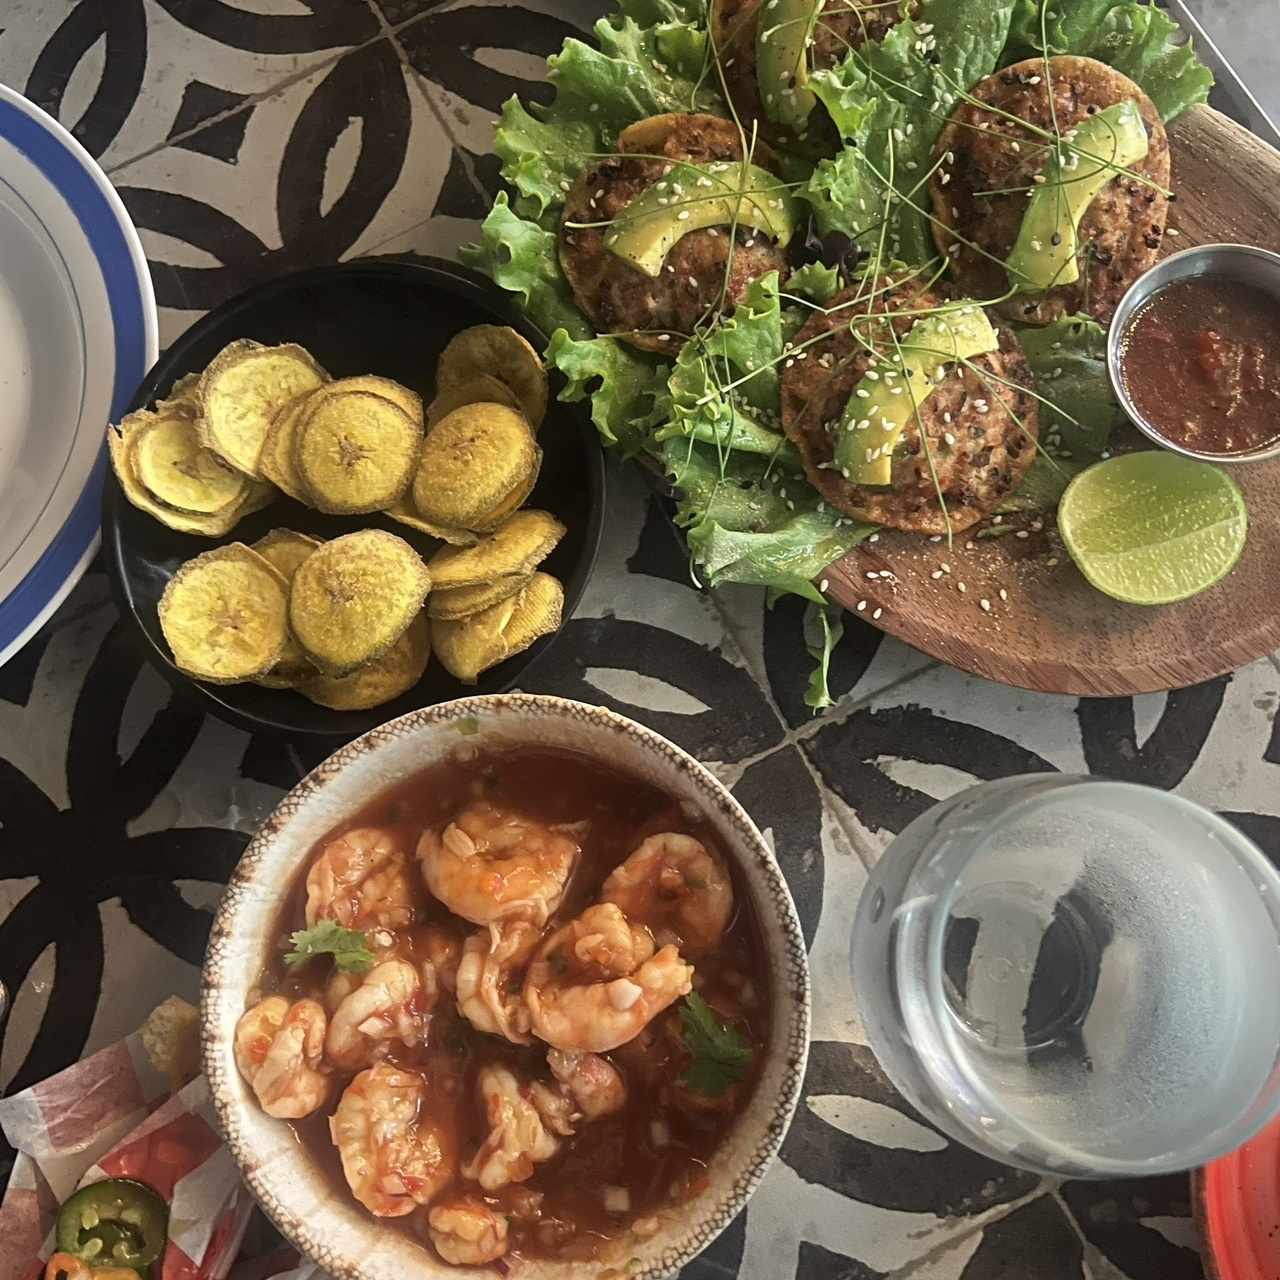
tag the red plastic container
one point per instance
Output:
(1239, 1206)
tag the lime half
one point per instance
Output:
(1152, 528)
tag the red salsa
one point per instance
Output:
(594, 1180)
(1201, 363)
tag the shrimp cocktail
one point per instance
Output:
(513, 1005)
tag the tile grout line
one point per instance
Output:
(251, 100)
(980, 1223)
(457, 146)
(387, 32)
(1086, 1247)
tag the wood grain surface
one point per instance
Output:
(1051, 631)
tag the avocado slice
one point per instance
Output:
(887, 396)
(782, 65)
(1045, 252)
(693, 197)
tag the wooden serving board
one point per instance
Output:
(1055, 633)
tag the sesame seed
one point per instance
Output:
(948, 437)
(664, 337)
(877, 613)
(944, 178)
(1172, 231)
(1053, 560)
(1022, 533)
(997, 519)
(986, 605)
(875, 537)
(937, 573)
(961, 588)
(822, 586)
(873, 574)
(937, 537)
(862, 604)
(1004, 595)
(683, 215)
(564, 184)
(1039, 177)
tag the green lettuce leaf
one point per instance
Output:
(889, 100)
(628, 389)
(814, 281)
(823, 627)
(651, 59)
(1043, 485)
(1135, 37)
(521, 256)
(1069, 360)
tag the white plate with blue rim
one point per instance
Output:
(77, 334)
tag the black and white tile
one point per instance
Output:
(254, 137)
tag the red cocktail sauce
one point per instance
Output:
(1201, 362)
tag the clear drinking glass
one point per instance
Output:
(1077, 977)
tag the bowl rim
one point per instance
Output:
(453, 278)
(1186, 264)
(776, 906)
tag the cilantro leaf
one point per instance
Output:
(719, 1055)
(348, 947)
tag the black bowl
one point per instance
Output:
(390, 317)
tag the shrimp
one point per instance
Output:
(593, 1082)
(362, 880)
(596, 982)
(677, 887)
(443, 955)
(279, 1049)
(395, 1156)
(490, 961)
(467, 1232)
(389, 1005)
(517, 1137)
(489, 864)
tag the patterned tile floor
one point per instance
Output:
(256, 137)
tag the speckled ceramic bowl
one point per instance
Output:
(325, 1223)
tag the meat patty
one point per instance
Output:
(621, 299)
(844, 25)
(981, 151)
(978, 450)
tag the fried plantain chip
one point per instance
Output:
(183, 397)
(276, 459)
(462, 602)
(387, 677)
(484, 388)
(405, 513)
(467, 646)
(471, 645)
(402, 397)
(120, 442)
(285, 550)
(353, 598)
(538, 612)
(356, 452)
(241, 391)
(501, 352)
(177, 470)
(224, 615)
(513, 501)
(472, 461)
(516, 547)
